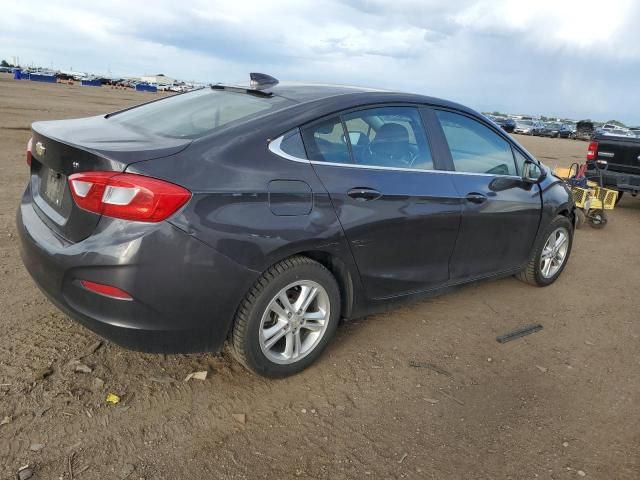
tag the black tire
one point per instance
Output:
(532, 273)
(245, 335)
(598, 219)
(581, 218)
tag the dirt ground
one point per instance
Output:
(559, 404)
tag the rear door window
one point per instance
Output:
(389, 137)
(475, 148)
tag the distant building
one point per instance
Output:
(158, 79)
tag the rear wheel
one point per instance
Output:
(287, 318)
(550, 254)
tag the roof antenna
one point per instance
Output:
(262, 81)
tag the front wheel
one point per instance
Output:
(287, 318)
(550, 254)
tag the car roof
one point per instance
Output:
(300, 93)
(308, 93)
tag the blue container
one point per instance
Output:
(144, 87)
(17, 73)
(90, 83)
(38, 77)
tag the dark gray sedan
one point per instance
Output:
(263, 214)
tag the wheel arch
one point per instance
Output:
(568, 212)
(342, 274)
(337, 267)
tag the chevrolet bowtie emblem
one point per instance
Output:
(40, 150)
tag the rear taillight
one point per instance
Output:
(29, 151)
(106, 290)
(127, 195)
(592, 151)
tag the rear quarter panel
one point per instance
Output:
(235, 207)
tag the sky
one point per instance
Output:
(566, 58)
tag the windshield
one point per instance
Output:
(197, 113)
(524, 123)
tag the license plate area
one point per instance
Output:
(53, 187)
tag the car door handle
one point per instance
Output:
(474, 197)
(363, 194)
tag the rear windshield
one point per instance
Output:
(198, 113)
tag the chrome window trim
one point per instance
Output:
(274, 147)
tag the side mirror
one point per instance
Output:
(532, 172)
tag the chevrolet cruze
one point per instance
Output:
(262, 215)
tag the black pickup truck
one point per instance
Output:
(619, 157)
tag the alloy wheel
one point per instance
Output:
(554, 252)
(294, 322)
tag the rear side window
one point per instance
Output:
(474, 147)
(198, 113)
(325, 142)
(292, 145)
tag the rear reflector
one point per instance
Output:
(29, 151)
(106, 290)
(592, 151)
(127, 195)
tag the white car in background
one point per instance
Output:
(525, 127)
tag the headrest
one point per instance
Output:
(392, 132)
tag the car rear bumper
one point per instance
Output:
(623, 182)
(184, 294)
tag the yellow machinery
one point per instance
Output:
(590, 199)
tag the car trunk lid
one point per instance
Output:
(62, 148)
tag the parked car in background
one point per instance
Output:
(617, 132)
(524, 127)
(609, 127)
(506, 123)
(179, 88)
(262, 215)
(635, 131)
(6, 69)
(567, 130)
(538, 128)
(551, 129)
